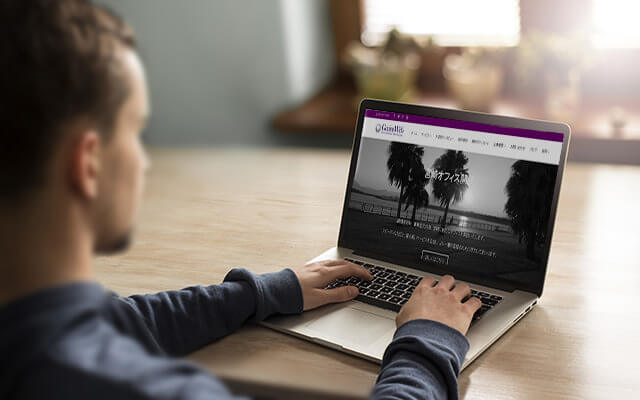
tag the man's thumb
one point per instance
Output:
(342, 294)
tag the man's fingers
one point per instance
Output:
(473, 304)
(461, 291)
(332, 263)
(349, 269)
(343, 263)
(339, 295)
(446, 282)
(427, 281)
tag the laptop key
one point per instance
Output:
(481, 311)
(488, 301)
(380, 281)
(478, 314)
(385, 289)
(391, 284)
(363, 290)
(375, 286)
(494, 297)
(395, 299)
(397, 292)
(406, 295)
(402, 287)
(364, 284)
(383, 296)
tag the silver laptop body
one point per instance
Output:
(486, 239)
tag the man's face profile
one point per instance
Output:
(123, 163)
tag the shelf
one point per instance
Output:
(593, 139)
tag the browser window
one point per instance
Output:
(453, 196)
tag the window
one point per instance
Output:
(615, 23)
(450, 23)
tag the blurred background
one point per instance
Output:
(291, 72)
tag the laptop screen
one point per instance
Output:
(450, 196)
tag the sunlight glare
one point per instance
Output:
(616, 23)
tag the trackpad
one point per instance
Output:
(353, 326)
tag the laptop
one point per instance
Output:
(434, 191)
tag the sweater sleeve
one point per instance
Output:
(422, 362)
(182, 321)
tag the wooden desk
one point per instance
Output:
(207, 211)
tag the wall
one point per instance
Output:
(219, 70)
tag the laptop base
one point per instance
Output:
(365, 330)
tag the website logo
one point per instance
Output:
(390, 129)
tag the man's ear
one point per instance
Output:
(85, 164)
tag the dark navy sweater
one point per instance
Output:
(79, 341)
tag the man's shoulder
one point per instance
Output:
(96, 361)
(81, 342)
(90, 359)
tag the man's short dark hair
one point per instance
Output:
(58, 63)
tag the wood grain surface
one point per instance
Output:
(207, 211)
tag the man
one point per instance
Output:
(73, 104)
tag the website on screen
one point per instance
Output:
(455, 196)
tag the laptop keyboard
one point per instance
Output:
(390, 289)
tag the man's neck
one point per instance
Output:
(42, 245)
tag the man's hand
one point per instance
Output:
(315, 276)
(440, 303)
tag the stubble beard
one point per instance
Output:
(119, 245)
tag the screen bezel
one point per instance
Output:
(490, 119)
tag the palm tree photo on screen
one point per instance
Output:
(403, 158)
(416, 194)
(446, 191)
(529, 192)
(469, 212)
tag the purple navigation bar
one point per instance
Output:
(470, 126)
